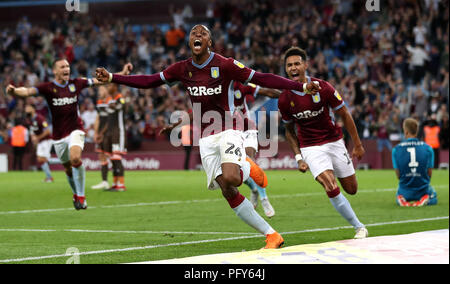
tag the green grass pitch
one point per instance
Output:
(171, 214)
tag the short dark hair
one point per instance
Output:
(56, 60)
(295, 51)
(205, 27)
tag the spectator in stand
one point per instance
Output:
(444, 133)
(174, 37)
(419, 58)
(382, 133)
(89, 116)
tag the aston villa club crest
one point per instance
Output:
(238, 94)
(190, 74)
(292, 104)
(72, 88)
(316, 98)
(215, 72)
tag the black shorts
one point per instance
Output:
(114, 142)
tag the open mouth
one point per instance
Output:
(197, 44)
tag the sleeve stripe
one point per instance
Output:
(161, 74)
(339, 106)
(256, 91)
(37, 90)
(250, 77)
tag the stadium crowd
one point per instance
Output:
(388, 65)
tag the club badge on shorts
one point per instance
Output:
(238, 94)
(215, 72)
(72, 88)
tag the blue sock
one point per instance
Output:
(46, 170)
(262, 192)
(252, 184)
(72, 184)
(342, 205)
(79, 177)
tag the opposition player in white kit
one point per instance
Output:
(318, 143)
(208, 78)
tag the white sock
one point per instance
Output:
(342, 205)
(245, 171)
(72, 184)
(247, 213)
(79, 177)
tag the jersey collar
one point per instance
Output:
(204, 63)
(59, 85)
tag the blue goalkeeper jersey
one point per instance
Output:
(413, 158)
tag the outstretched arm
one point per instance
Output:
(21, 91)
(271, 93)
(273, 81)
(126, 70)
(135, 81)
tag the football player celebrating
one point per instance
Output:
(319, 145)
(62, 98)
(209, 79)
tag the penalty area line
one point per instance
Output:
(213, 240)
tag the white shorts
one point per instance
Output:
(251, 139)
(44, 148)
(62, 146)
(224, 147)
(331, 156)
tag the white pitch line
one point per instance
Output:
(126, 232)
(213, 240)
(174, 202)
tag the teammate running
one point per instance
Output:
(62, 98)
(319, 145)
(209, 79)
(250, 135)
(41, 136)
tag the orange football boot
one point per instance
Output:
(274, 241)
(257, 174)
